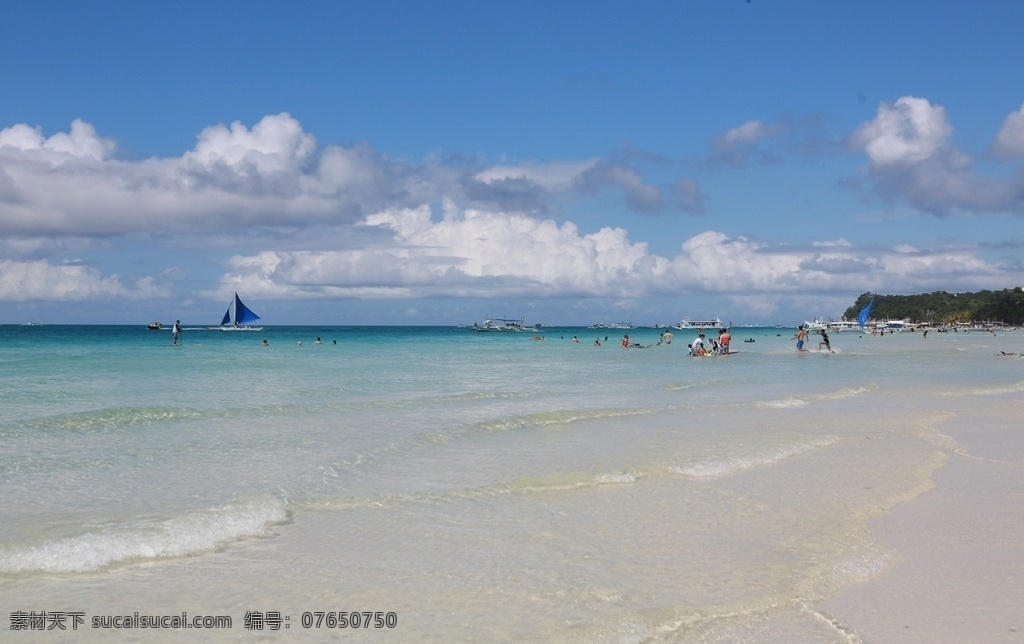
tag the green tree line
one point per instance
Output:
(940, 307)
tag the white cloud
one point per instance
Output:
(836, 242)
(58, 194)
(553, 177)
(81, 142)
(22, 137)
(276, 144)
(69, 184)
(909, 131)
(760, 142)
(1009, 141)
(40, 280)
(272, 174)
(911, 158)
(466, 253)
(748, 134)
(472, 253)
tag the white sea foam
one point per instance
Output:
(696, 384)
(186, 534)
(550, 483)
(861, 566)
(849, 392)
(113, 418)
(1013, 388)
(559, 417)
(618, 477)
(726, 467)
(784, 403)
(796, 403)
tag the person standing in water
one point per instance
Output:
(724, 338)
(176, 332)
(801, 337)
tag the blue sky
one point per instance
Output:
(443, 162)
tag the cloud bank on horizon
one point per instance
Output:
(323, 221)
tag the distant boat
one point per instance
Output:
(154, 326)
(865, 314)
(687, 323)
(238, 317)
(502, 324)
(831, 325)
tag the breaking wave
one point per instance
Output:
(186, 534)
(559, 417)
(719, 468)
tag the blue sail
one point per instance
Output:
(242, 313)
(862, 319)
(238, 314)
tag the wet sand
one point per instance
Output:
(958, 574)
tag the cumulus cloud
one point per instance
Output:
(274, 145)
(81, 142)
(1009, 141)
(911, 158)
(40, 280)
(72, 184)
(465, 253)
(472, 253)
(492, 235)
(907, 132)
(272, 174)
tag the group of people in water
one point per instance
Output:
(715, 346)
(802, 336)
(317, 341)
(704, 346)
(699, 347)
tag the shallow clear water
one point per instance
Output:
(482, 486)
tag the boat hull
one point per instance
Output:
(235, 328)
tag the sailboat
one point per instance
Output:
(239, 317)
(865, 314)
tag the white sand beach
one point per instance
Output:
(958, 574)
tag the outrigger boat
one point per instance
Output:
(238, 317)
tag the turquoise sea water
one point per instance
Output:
(480, 486)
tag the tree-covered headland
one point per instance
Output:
(940, 307)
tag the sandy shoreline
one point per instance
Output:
(959, 548)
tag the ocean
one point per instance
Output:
(436, 484)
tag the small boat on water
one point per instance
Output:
(154, 326)
(501, 324)
(687, 323)
(831, 325)
(238, 317)
(613, 325)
